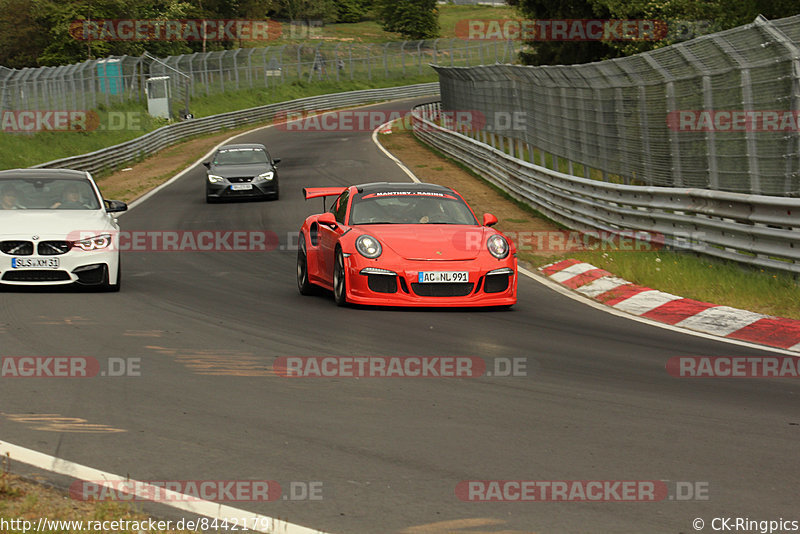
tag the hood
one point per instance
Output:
(52, 224)
(430, 241)
(236, 171)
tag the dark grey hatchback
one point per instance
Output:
(241, 171)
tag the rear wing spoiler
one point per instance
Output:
(315, 192)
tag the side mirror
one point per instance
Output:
(276, 161)
(207, 164)
(489, 219)
(114, 206)
(328, 219)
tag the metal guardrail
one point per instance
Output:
(758, 230)
(114, 156)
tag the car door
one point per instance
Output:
(328, 237)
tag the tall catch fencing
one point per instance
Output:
(112, 80)
(719, 112)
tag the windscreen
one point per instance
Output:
(49, 193)
(410, 207)
(240, 156)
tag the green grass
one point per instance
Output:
(371, 31)
(23, 150)
(697, 277)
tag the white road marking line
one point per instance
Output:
(602, 285)
(175, 500)
(391, 156)
(572, 271)
(720, 320)
(645, 301)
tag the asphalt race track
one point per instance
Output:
(596, 404)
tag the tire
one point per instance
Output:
(108, 287)
(303, 285)
(339, 280)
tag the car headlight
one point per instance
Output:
(269, 175)
(368, 246)
(93, 243)
(214, 179)
(498, 246)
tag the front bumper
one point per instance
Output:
(75, 267)
(261, 189)
(491, 283)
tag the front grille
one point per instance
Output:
(240, 179)
(382, 283)
(17, 248)
(35, 275)
(460, 289)
(496, 283)
(53, 248)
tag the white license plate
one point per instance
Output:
(34, 263)
(241, 187)
(443, 276)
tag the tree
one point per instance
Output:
(307, 10)
(21, 38)
(564, 52)
(413, 19)
(353, 10)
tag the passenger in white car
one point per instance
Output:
(9, 199)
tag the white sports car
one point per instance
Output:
(56, 229)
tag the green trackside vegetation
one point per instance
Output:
(371, 31)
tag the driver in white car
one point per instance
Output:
(71, 199)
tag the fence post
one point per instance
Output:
(794, 53)
(708, 104)
(747, 103)
(403, 57)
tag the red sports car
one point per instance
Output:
(404, 244)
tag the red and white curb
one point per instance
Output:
(662, 307)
